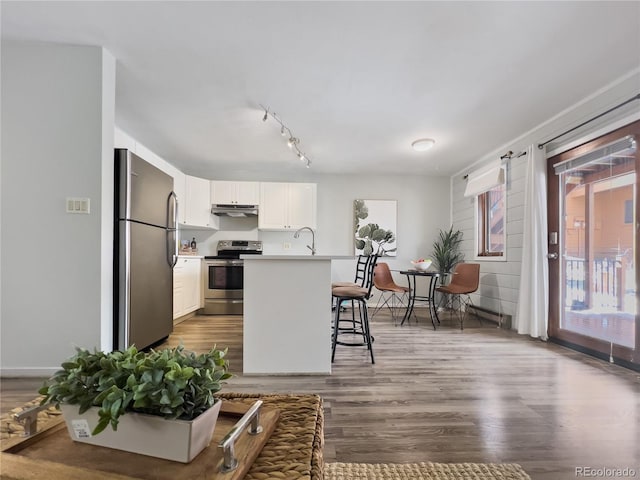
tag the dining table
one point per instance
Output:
(411, 275)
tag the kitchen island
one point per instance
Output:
(287, 314)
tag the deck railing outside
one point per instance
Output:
(606, 278)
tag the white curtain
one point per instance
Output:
(533, 302)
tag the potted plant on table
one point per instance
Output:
(139, 393)
(446, 251)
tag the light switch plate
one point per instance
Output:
(78, 205)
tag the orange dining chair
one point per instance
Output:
(466, 277)
(392, 295)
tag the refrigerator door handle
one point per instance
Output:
(172, 230)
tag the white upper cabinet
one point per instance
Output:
(302, 205)
(196, 206)
(287, 206)
(273, 214)
(235, 193)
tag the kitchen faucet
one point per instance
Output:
(313, 238)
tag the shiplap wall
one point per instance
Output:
(500, 280)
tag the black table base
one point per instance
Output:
(429, 298)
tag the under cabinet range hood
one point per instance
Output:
(234, 210)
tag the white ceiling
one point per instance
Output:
(356, 82)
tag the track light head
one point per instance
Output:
(266, 115)
(282, 132)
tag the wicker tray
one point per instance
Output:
(293, 451)
(54, 445)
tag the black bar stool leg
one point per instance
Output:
(367, 331)
(334, 340)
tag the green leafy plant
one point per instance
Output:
(172, 383)
(446, 250)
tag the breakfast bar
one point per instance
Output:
(287, 314)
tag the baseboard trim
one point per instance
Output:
(28, 372)
(594, 353)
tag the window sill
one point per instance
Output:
(502, 258)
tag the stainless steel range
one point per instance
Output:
(224, 277)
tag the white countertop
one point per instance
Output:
(199, 257)
(297, 257)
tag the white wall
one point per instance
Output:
(420, 216)
(57, 142)
(500, 281)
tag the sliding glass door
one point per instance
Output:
(593, 220)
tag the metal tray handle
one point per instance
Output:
(29, 418)
(230, 462)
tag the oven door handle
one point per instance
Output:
(224, 263)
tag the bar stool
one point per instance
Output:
(360, 278)
(360, 327)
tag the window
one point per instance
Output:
(491, 222)
(487, 185)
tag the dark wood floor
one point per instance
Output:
(481, 395)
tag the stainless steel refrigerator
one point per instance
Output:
(145, 252)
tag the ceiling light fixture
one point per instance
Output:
(423, 144)
(293, 142)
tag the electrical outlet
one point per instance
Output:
(286, 246)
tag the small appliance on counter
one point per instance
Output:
(224, 277)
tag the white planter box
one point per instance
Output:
(177, 440)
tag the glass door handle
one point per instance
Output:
(552, 256)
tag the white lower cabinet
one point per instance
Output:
(287, 206)
(187, 286)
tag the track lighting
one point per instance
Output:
(293, 143)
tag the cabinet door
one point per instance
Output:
(302, 205)
(198, 203)
(223, 192)
(192, 285)
(273, 206)
(248, 193)
(178, 288)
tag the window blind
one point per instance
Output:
(484, 179)
(598, 155)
